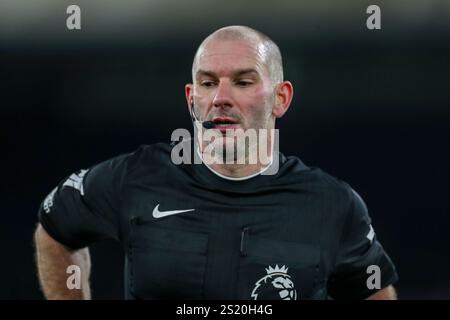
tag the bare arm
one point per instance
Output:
(52, 260)
(387, 293)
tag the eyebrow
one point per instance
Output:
(237, 73)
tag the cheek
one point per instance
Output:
(261, 105)
(257, 115)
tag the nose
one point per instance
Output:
(223, 98)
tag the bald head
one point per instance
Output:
(269, 50)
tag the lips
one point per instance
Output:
(224, 120)
(225, 123)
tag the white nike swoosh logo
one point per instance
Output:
(160, 214)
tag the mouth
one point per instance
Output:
(225, 123)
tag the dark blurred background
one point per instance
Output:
(371, 107)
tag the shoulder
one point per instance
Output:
(117, 168)
(329, 189)
(146, 155)
(316, 177)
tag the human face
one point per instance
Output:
(232, 86)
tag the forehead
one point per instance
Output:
(224, 56)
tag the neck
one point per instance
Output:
(236, 170)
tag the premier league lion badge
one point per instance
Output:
(277, 284)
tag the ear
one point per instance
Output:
(189, 93)
(284, 92)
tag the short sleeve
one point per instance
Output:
(358, 250)
(85, 207)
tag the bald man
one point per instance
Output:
(228, 224)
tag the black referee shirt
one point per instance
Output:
(189, 234)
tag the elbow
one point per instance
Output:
(387, 293)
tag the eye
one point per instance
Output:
(244, 83)
(207, 83)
